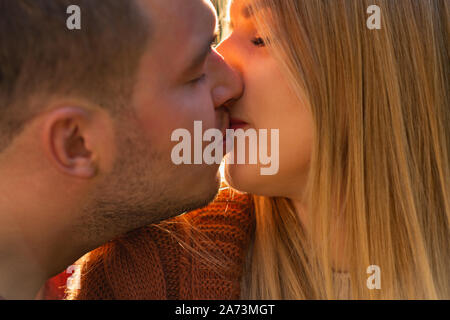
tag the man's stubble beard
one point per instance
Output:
(142, 189)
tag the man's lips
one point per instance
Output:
(236, 123)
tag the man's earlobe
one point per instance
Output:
(66, 137)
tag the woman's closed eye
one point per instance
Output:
(259, 42)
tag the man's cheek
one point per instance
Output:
(200, 111)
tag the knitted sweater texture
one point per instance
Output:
(199, 255)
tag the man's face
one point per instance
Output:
(181, 79)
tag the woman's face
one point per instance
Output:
(267, 103)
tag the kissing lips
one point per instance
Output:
(237, 124)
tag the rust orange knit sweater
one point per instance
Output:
(155, 262)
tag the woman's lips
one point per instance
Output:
(237, 124)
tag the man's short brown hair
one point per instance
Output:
(40, 56)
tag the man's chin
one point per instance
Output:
(112, 213)
(204, 196)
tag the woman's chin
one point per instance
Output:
(242, 177)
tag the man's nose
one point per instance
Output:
(229, 85)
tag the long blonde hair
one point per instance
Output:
(380, 166)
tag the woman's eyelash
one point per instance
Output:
(259, 42)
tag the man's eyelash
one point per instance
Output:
(199, 79)
(215, 40)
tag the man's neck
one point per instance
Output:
(20, 278)
(21, 272)
(26, 264)
(31, 250)
(40, 229)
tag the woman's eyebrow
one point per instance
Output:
(249, 11)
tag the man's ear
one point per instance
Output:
(70, 141)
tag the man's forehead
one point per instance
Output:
(179, 14)
(180, 29)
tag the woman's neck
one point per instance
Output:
(339, 260)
